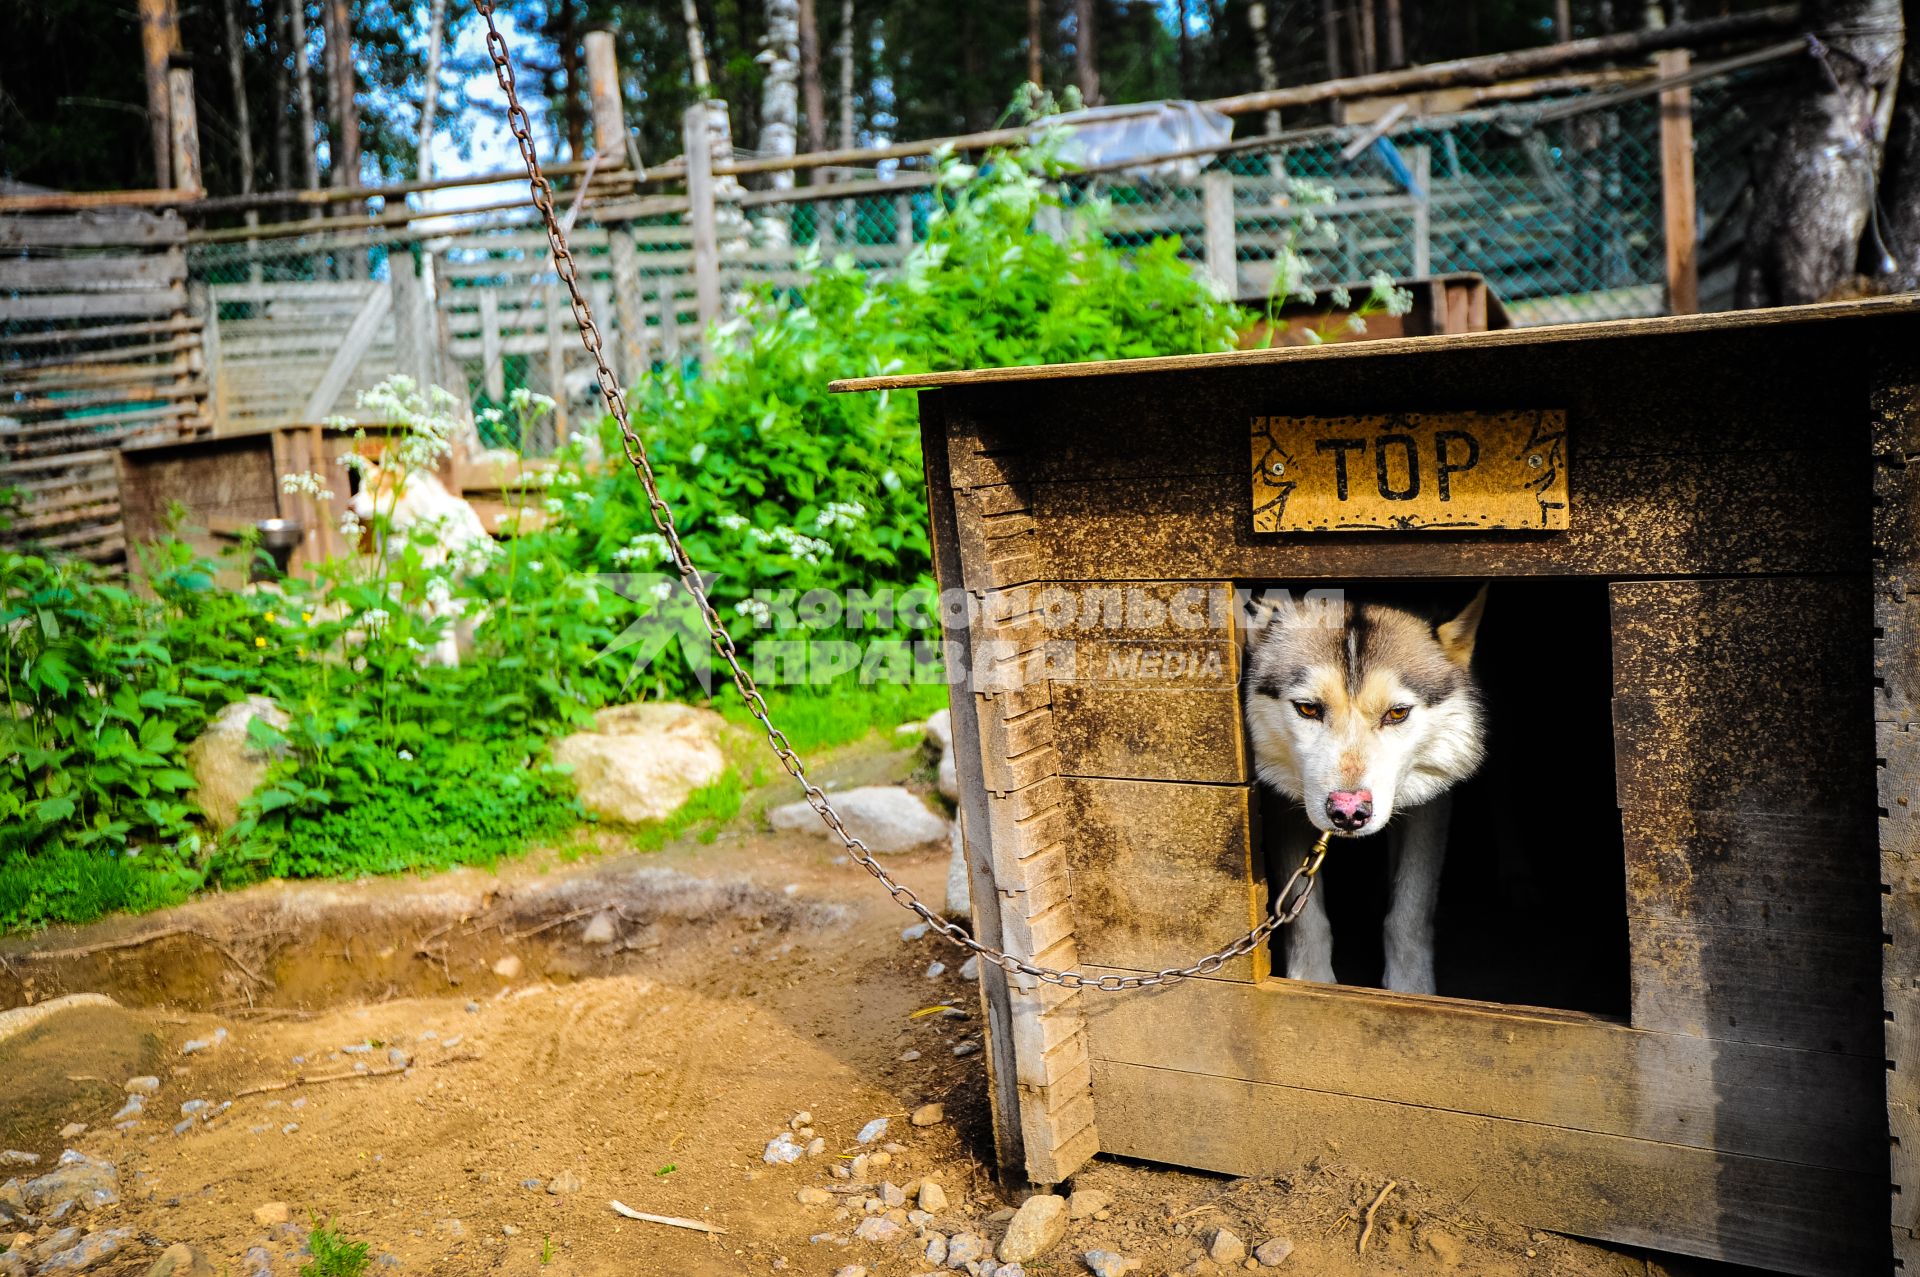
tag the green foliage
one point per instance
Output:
(334, 1255)
(388, 762)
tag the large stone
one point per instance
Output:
(1035, 1228)
(886, 818)
(226, 767)
(640, 762)
(78, 1179)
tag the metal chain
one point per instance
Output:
(1286, 905)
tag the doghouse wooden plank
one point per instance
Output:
(1806, 989)
(1163, 873)
(1785, 659)
(1770, 870)
(1895, 421)
(1547, 1067)
(978, 833)
(1750, 1210)
(1619, 397)
(1652, 515)
(1149, 734)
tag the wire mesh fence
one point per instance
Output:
(1558, 204)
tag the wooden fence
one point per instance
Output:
(101, 350)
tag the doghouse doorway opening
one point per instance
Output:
(1533, 899)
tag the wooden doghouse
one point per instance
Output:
(1739, 505)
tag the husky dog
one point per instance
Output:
(1361, 713)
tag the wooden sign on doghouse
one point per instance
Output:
(1410, 472)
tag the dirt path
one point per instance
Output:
(721, 990)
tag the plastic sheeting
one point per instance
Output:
(1107, 135)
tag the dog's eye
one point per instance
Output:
(1398, 714)
(1308, 709)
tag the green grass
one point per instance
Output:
(443, 818)
(334, 1255)
(820, 718)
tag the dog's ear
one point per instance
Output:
(1457, 636)
(1261, 611)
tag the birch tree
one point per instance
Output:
(780, 92)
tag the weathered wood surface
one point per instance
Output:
(1785, 1216)
(75, 391)
(1039, 1090)
(1784, 663)
(1163, 873)
(1895, 416)
(1551, 1068)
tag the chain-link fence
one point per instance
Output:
(1557, 203)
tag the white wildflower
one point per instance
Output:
(697, 454)
(554, 506)
(890, 481)
(661, 590)
(405, 756)
(375, 619)
(439, 591)
(537, 566)
(841, 514)
(731, 522)
(307, 484)
(756, 609)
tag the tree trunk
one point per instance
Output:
(1396, 36)
(430, 91)
(813, 94)
(1086, 70)
(346, 111)
(1263, 58)
(779, 93)
(1814, 193)
(159, 41)
(844, 52)
(303, 83)
(696, 48)
(278, 55)
(1035, 44)
(1186, 50)
(1563, 20)
(1330, 33)
(1369, 39)
(242, 115)
(1900, 179)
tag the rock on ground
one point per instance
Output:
(1109, 1263)
(933, 1198)
(1087, 1203)
(640, 762)
(181, 1260)
(1225, 1248)
(959, 891)
(268, 1213)
(967, 1248)
(77, 1178)
(1273, 1252)
(886, 818)
(226, 768)
(89, 1253)
(1035, 1228)
(929, 1115)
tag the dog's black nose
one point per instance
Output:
(1349, 809)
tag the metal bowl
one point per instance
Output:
(280, 534)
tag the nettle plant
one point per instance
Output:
(780, 488)
(388, 728)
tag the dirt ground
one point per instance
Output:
(744, 982)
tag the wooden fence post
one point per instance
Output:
(159, 41)
(1676, 185)
(612, 144)
(184, 122)
(1216, 214)
(492, 353)
(706, 246)
(1422, 158)
(413, 326)
(557, 306)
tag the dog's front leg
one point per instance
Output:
(1419, 850)
(1310, 936)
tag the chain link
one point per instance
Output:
(1286, 904)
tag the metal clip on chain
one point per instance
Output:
(1286, 906)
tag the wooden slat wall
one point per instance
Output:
(1739, 1115)
(1896, 712)
(97, 350)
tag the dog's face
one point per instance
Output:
(1359, 710)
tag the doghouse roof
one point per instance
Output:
(1550, 335)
